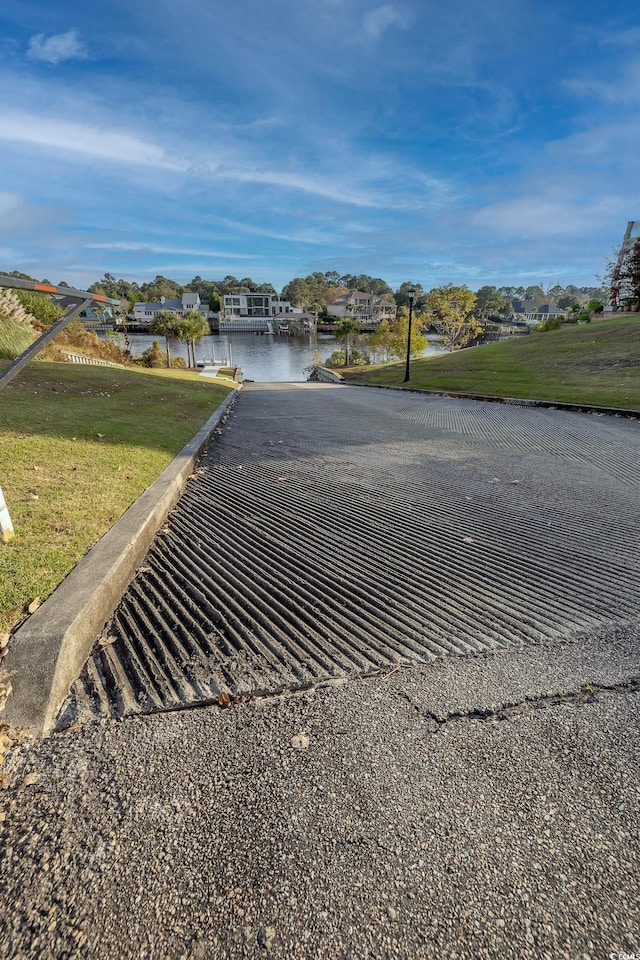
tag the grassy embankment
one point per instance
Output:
(78, 444)
(598, 364)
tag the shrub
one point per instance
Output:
(40, 306)
(357, 359)
(337, 359)
(154, 356)
(553, 323)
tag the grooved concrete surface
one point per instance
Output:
(472, 807)
(330, 531)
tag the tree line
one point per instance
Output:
(317, 290)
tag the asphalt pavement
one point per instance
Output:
(463, 793)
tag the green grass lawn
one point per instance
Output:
(78, 444)
(598, 363)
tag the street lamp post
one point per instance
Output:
(411, 294)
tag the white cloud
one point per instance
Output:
(9, 203)
(368, 186)
(56, 48)
(546, 213)
(72, 137)
(143, 248)
(380, 19)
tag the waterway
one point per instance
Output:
(263, 358)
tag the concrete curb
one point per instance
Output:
(49, 650)
(515, 401)
(324, 375)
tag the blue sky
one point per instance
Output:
(477, 141)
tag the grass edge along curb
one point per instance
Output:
(516, 401)
(48, 651)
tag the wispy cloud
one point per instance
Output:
(551, 212)
(57, 47)
(377, 21)
(619, 38)
(623, 89)
(71, 137)
(371, 181)
(146, 248)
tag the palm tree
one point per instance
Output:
(164, 324)
(197, 327)
(345, 329)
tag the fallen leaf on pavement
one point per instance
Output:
(300, 741)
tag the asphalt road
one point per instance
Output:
(473, 800)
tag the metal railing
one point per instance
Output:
(74, 300)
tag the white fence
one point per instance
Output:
(81, 358)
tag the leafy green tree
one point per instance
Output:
(390, 338)
(568, 301)
(207, 290)
(298, 292)
(108, 286)
(489, 301)
(535, 293)
(310, 293)
(554, 293)
(164, 325)
(401, 296)
(450, 310)
(160, 287)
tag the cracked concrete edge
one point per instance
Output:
(48, 651)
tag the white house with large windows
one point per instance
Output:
(146, 312)
(255, 305)
(262, 313)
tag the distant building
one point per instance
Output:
(532, 312)
(146, 312)
(254, 305)
(365, 307)
(262, 313)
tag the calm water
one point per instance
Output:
(261, 357)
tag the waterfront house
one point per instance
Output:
(531, 312)
(262, 313)
(365, 307)
(144, 313)
(256, 305)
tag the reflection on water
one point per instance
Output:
(260, 357)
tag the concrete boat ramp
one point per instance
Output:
(330, 532)
(422, 616)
